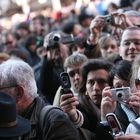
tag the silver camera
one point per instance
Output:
(109, 19)
(121, 94)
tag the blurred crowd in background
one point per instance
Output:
(95, 41)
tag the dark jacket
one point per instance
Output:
(60, 127)
(122, 117)
(49, 80)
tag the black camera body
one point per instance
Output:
(54, 39)
(65, 81)
(109, 19)
(58, 38)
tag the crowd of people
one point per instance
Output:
(100, 54)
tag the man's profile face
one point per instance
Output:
(75, 78)
(130, 45)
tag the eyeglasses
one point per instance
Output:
(8, 42)
(8, 87)
(73, 72)
(137, 83)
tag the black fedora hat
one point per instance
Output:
(11, 125)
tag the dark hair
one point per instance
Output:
(41, 18)
(31, 40)
(68, 27)
(23, 25)
(125, 3)
(93, 64)
(84, 15)
(122, 69)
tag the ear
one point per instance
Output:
(20, 93)
(120, 51)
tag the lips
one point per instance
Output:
(132, 54)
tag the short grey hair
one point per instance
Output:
(17, 72)
(74, 59)
(132, 13)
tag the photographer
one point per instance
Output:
(118, 23)
(126, 107)
(52, 66)
(101, 38)
(94, 79)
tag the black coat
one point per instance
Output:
(49, 80)
(60, 126)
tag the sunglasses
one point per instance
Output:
(73, 72)
(137, 83)
(8, 42)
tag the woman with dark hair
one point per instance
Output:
(120, 74)
(120, 77)
(94, 79)
(31, 46)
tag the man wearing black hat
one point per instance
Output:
(17, 79)
(11, 125)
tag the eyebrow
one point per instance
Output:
(132, 39)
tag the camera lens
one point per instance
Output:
(56, 38)
(119, 94)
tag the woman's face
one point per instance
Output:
(110, 47)
(118, 82)
(137, 82)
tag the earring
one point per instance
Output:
(86, 93)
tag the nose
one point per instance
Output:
(132, 46)
(77, 76)
(109, 50)
(96, 86)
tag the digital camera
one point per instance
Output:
(121, 94)
(58, 38)
(109, 19)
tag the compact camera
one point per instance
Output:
(116, 129)
(109, 19)
(65, 81)
(121, 94)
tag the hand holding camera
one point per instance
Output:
(111, 96)
(96, 26)
(121, 94)
(107, 104)
(134, 102)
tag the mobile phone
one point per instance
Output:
(65, 81)
(114, 124)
